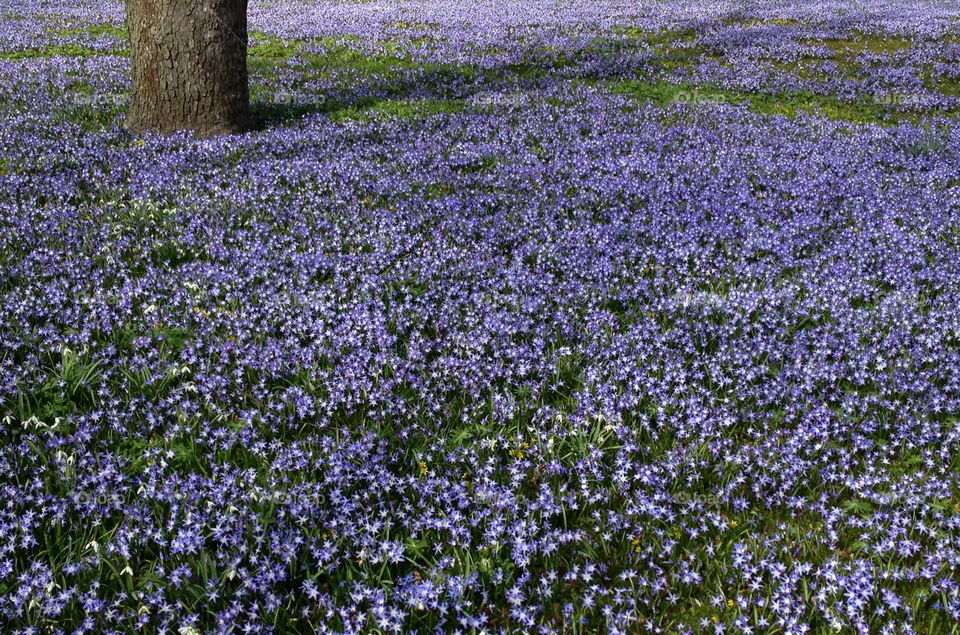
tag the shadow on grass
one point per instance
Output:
(386, 83)
(347, 79)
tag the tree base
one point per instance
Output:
(189, 66)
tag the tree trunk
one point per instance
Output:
(189, 66)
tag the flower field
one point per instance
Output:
(514, 316)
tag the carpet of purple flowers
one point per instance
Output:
(512, 317)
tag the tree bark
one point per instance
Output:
(189, 66)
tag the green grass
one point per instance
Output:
(866, 111)
(862, 43)
(75, 50)
(391, 69)
(399, 109)
(96, 30)
(60, 50)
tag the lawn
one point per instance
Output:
(511, 316)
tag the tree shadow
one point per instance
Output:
(457, 86)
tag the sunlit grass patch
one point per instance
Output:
(400, 109)
(60, 50)
(861, 43)
(80, 47)
(870, 110)
(95, 30)
(657, 38)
